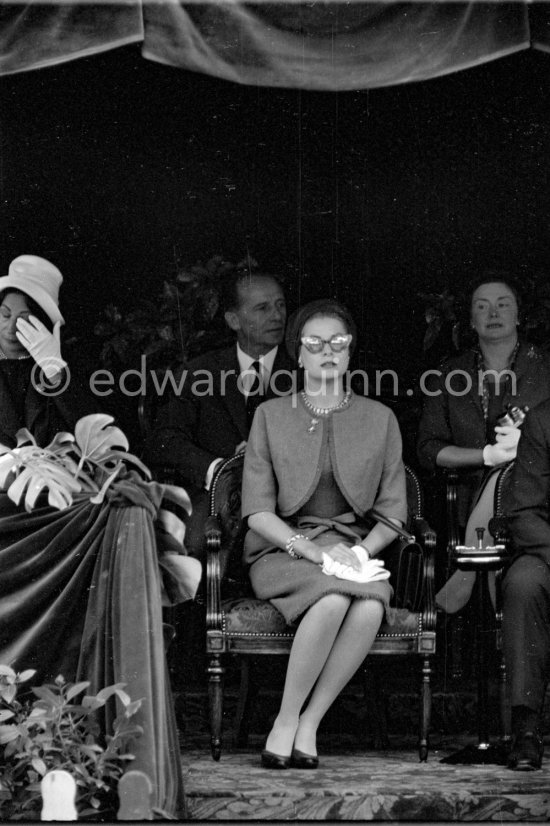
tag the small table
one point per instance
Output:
(481, 560)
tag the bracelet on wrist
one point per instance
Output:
(289, 545)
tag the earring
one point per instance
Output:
(300, 362)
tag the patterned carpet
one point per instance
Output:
(354, 781)
(390, 785)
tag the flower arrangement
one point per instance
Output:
(48, 728)
(182, 321)
(87, 462)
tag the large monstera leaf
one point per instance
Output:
(102, 444)
(87, 462)
(27, 470)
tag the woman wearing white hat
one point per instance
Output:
(37, 390)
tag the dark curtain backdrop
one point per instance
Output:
(118, 169)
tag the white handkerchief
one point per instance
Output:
(372, 570)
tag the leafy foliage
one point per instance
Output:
(87, 462)
(439, 309)
(181, 322)
(54, 730)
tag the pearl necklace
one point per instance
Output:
(323, 411)
(4, 357)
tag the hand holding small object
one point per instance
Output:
(508, 435)
(498, 454)
(43, 346)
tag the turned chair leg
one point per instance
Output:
(426, 708)
(216, 673)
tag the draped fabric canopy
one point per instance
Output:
(333, 45)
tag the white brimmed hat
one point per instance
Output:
(38, 279)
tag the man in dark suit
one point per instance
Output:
(210, 418)
(526, 589)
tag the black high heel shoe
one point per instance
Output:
(301, 760)
(270, 760)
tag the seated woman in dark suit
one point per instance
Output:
(459, 424)
(315, 463)
(37, 388)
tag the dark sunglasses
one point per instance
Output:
(337, 343)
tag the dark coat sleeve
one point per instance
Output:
(526, 501)
(49, 411)
(75, 401)
(175, 441)
(434, 429)
(196, 427)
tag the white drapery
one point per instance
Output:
(334, 45)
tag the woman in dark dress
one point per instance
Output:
(315, 463)
(459, 427)
(38, 390)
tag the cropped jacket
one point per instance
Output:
(287, 447)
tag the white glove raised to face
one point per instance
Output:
(44, 347)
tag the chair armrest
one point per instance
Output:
(453, 537)
(212, 541)
(426, 538)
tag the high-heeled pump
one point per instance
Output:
(301, 760)
(270, 760)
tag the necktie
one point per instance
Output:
(255, 391)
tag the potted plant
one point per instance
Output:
(51, 727)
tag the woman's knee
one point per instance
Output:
(370, 610)
(334, 603)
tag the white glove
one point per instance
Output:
(44, 347)
(372, 570)
(498, 454)
(508, 435)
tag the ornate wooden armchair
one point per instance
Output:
(496, 532)
(239, 624)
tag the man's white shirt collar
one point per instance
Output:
(266, 362)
